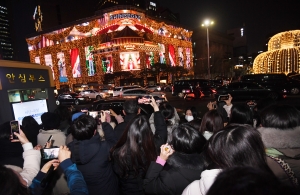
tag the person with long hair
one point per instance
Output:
(241, 114)
(211, 123)
(135, 150)
(180, 162)
(235, 145)
(170, 116)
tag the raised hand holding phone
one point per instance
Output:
(48, 143)
(14, 127)
(21, 137)
(154, 104)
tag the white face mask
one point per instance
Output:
(189, 118)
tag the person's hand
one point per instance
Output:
(37, 147)
(102, 116)
(47, 166)
(21, 137)
(112, 113)
(154, 104)
(211, 105)
(48, 144)
(228, 102)
(64, 153)
(166, 151)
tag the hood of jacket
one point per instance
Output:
(280, 139)
(83, 151)
(188, 161)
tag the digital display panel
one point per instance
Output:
(90, 60)
(107, 64)
(130, 61)
(75, 63)
(62, 67)
(180, 56)
(32, 108)
(162, 51)
(172, 55)
(149, 59)
(188, 57)
(48, 62)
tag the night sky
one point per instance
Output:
(262, 18)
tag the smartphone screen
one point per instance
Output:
(50, 153)
(14, 126)
(223, 97)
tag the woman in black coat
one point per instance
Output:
(136, 149)
(180, 162)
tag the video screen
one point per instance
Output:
(107, 64)
(37, 60)
(90, 60)
(130, 61)
(180, 56)
(48, 62)
(75, 63)
(50, 153)
(62, 67)
(162, 51)
(32, 108)
(149, 59)
(172, 55)
(188, 57)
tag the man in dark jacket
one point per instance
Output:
(92, 155)
(130, 110)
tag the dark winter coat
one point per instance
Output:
(119, 129)
(133, 184)
(179, 171)
(92, 159)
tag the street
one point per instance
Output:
(180, 104)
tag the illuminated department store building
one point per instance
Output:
(283, 55)
(120, 39)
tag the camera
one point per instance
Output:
(145, 99)
(223, 98)
(49, 153)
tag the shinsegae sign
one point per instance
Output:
(125, 16)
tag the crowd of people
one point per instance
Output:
(232, 149)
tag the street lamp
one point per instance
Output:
(208, 23)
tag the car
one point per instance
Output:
(249, 91)
(179, 86)
(72, 98)
(274, 81)
(94, 94)
(118, 90)
(116, 104)
(153, 88)
(142, 92)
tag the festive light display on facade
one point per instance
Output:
(283, 55)
(122, 40)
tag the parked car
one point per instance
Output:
(249, 91)
(72, 98)
(142, 92)
(181, 85)
(274, 81)
(118, 90)
(94, 94)
(116, 104)
(153, 88)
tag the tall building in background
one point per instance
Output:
(6, 49)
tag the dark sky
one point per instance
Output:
(262, 18)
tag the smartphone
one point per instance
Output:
(49, 139)
(223, 97)
(94, 114)
(214, 106)
(14, 127)
(107, 111)
(49, 153)
(145, 99)
(160, 100)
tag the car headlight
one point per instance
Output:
(81, 98)
(183, 91)
(284, 91)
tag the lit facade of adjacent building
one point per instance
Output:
(6, 49)
(283, 55)
(115, 41)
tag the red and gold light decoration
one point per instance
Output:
(95, 33)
